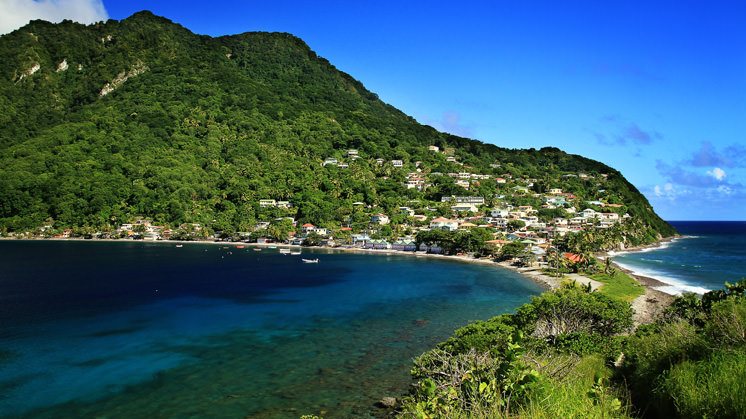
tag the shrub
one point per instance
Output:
(493, 334)
(571, 310)
(726, 323)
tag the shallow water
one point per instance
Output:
(145, 329)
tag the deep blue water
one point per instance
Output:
(708, 254)
(127, 329)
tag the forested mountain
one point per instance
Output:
(141, 118)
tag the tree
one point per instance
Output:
(515, 225)
(511, 250)
(312, 239)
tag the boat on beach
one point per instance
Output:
(310, 260)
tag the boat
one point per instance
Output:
(179, 245)
(310, 260)
(284, 251)
(272, 247)
(257, 250)
(239, 247)
(295, 253)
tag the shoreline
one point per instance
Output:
(646, 307)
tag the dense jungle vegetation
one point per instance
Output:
(140, 118)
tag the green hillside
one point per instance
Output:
(140, 118)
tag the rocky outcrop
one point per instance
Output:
(138, 68)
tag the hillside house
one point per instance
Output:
(444, 224)
(265, 203)
(380, 219)
(463, 183)
(465, 207)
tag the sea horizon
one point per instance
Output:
(705, 256)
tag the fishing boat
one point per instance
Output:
(310, 260)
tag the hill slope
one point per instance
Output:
(107, 123)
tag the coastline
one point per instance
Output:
(646, 307)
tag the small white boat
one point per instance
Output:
(284, 251)
(310, 260)
(295, 253)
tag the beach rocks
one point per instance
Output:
(388, 402)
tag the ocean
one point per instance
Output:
(709, 254)
(133, 329)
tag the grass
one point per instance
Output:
(619, 285)
(710, 388)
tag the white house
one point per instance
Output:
(463, 183)
(264, 203)
(444, 224)
(499, 212)
(589, 213)
(380, 219)
(465, 207)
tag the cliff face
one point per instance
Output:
(142, 118)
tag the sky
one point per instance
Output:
(654, 89)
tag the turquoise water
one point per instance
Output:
(708, 254)
(125, 329)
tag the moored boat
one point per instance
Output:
(310, 260)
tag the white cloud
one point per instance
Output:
(717, 173)
(725, 190)
(16, 13)
(670, 191)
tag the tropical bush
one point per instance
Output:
(567, 353)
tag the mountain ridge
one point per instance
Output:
(141, 118)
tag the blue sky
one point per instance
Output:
(654, 89)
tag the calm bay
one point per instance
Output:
(133, 329)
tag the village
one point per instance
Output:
(495, 220)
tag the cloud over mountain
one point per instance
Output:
(17, 13)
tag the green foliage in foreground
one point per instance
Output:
(689, 364)
(521, 363)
